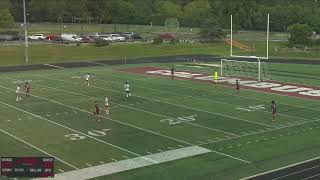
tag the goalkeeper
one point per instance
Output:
(215, 77)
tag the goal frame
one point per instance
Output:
(231, 39)
(250, 62)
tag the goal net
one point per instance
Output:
(250, 69)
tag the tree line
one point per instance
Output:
(247, 14)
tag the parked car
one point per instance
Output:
(117, 37)
(36, 37)
(87, 39)
(71, 37)
(51, 37)
(105, 37)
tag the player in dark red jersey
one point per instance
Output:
(27, 88)
(273, 109)
(237, 86)
(96, 110)
(172, 71)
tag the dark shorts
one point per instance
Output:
(96, 111)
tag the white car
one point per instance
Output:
(71, 37)
(105, 37)
(117, 37)
(36, 37)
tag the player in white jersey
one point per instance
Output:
(87, 79)
(106, 105)
(127, 89)
(18, 92)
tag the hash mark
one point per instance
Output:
(180, 146)
(114, 159)
(101, 162)
(61, 170)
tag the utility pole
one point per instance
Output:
(25, 32)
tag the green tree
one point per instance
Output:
(300, 35)
(6, 19)
(195, 13)
(211, 30)
(167, 9)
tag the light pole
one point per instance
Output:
(25, 32)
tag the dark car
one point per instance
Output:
(87, 39)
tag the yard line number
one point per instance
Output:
(96, 133)
(178, 120)
(252, 108)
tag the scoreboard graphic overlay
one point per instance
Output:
(27, 167)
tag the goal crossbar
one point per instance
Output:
(258, 62)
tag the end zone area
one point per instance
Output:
(173, 129)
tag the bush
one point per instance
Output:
(174, 41)
(101, 43)
(157, 40)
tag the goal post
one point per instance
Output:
(233, 43)
(251, 69)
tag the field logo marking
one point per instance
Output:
(178, 120)
(281, 88)
(252, 108)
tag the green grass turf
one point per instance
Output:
(63, 106)
(39, 54)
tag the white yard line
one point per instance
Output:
(120, 122)
(54, 66)
(205, 99)
(165, 102)
(25, 142)
(311, 177)
(281, 168)
(187, 107)
(260, 132)
(137, 109)
(297, 172)
(186, 86)
(178, 140)
(148, 112)
(130, 164)
(84, 134)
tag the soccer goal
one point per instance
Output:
(250, 69)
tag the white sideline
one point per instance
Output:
(129, 164)
(15, 137)
(281, 168)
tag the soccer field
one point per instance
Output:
(167, 129)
